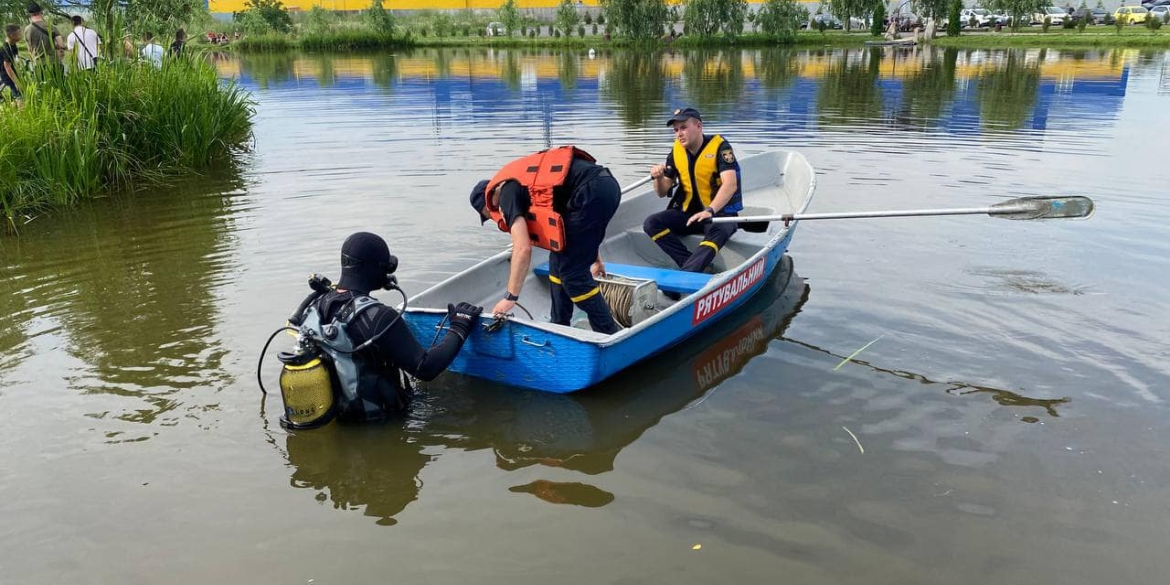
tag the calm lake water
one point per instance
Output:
(1009, 418)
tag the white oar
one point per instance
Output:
(637, 184)
(1019, 208)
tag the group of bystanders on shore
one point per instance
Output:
(51, 54)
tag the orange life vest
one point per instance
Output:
(541, 173)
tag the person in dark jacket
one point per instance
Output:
(180, 41)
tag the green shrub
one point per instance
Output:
(567, 18)
(317, 21)
(954, 21)
(378, 19)
(879, 14)
(264, 42)
(261, 15)
(509, 16)
(352, 39)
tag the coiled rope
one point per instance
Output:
(619, 294)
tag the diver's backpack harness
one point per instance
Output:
(322, 355)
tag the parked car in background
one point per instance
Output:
(1092, 16)
(1054, 15)
(857, 23)
(1102, 16)
(829, 20)
(495, 29)
(1150, 4)
(907, 21)
(1160, 12)
(1005, 19)
(982, 17)
(1131, 14)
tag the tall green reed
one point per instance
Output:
(122, 125)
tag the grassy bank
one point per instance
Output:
(835, 38)
(363, 41)
(356, 40)
(343, 40)
(1100, 37)
(124, 125)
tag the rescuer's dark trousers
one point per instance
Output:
(589, 210)
(666, 228)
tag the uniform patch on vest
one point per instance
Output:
(728, 156)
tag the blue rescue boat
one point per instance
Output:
(533, 353)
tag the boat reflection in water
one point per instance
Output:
(375, 468)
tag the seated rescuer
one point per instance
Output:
(703, 174)
(562, 201)
(379, 388)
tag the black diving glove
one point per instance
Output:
(463, 317)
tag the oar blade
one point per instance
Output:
(1026, 208)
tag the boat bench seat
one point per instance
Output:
(667, 279)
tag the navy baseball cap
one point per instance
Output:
(479, 199)
(681, 115)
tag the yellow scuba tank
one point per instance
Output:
(306, 387)
(306, 380)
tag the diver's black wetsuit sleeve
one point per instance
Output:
(399, 347)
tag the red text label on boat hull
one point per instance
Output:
(716, 300)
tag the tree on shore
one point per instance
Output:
(264, 16)
(846, 10)
(164, 17)
(954, 21)
(509, 15)
(110, 17)
(567, 17)
(705, 18)
(636, 19)
(378, 18)
(781, 19)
